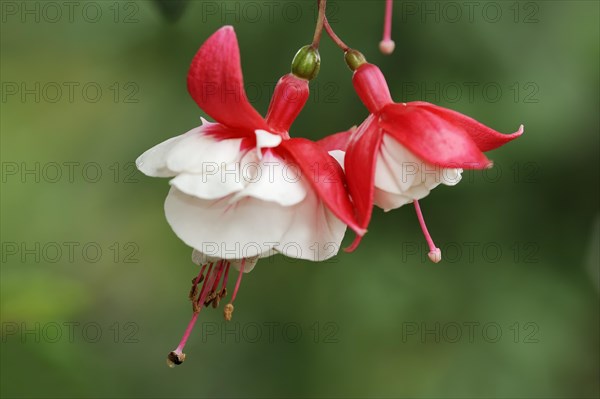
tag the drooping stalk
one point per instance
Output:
(320, 21)
(336, 39)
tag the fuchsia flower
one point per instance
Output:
(402, 151)
(242, 179)
(241, 188)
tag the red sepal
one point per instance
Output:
(215, 82)
(360, 163)
(336, 141)
(431, 137)
(484, 137)
(325, 176)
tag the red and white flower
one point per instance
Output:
(403, 150)
(241, 188)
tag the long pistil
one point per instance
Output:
(435, 254)
(387, 45)
(177, 356)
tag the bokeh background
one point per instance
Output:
(94, 283)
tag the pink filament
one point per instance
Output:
(221, 267)
(239, 280)
(200, 275)
(226, 275)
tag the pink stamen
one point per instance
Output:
(221, 267)
(239, 281)
(226, 276)
(211, 283)
(200, 274)
(435, 254)
(387, 45)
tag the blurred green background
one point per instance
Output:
(94, 283)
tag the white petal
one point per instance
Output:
(266, 139)
(401, 177)
(315, 232)
(388, 201)
(214, 185)
(451, 177)
(271, 179)
(198, 152)
(154, 161)
(396, 167)
(248, 228)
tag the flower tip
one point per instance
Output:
(175, 358)
(139, 163)
(436, 255)
(521, 130)
(387, 46)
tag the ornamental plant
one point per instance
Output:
(243, 189)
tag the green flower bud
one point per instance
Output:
(306, 63)
(354, 59)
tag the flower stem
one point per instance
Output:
(320, 21)
(336, 39)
